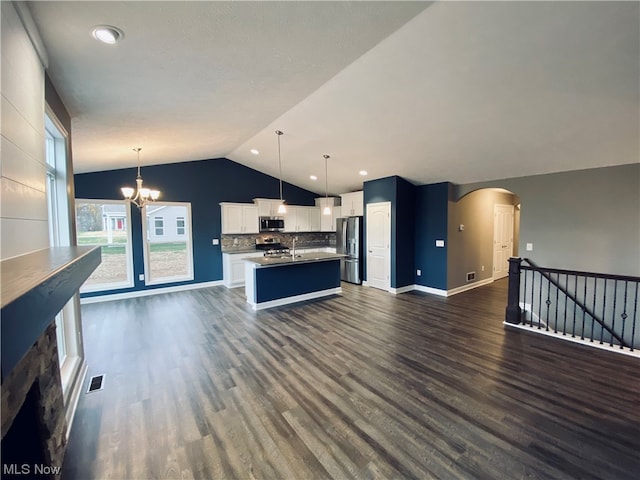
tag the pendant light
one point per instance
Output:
(327, 208)
(282, 209)
(142, 195)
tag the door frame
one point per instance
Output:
(369, 206)
(511, 231)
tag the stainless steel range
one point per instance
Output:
(272, 247)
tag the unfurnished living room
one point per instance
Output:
(283, 240)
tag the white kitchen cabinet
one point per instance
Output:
(297, 219)
(267, 207)
(328, 222)
(239, 218)
(315, 219)
(233, 268)
(353, 204)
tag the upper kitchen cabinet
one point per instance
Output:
(352, 204)
(328, 222)
(297, 219)
(267, 207)
(239, 217)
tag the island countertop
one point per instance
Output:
(298, 258)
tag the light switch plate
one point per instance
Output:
(529, 247)
(439, 243)
(215, 241)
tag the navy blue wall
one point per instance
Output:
(431, 210)
(204, 184)
(401, 195)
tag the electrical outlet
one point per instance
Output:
(418, 272)
(215, 241)
(439, 243)
(482, 268)
(529, 247)
(141, 277)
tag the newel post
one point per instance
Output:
(514, 312)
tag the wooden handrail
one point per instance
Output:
(545, 273)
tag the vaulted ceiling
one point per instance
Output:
(444, 91)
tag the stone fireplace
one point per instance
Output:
(33, 415)
(35, 287)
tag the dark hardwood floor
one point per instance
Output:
(363, 385)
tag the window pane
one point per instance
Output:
(105, 225)
(168, 255)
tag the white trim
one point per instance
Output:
(295, 299)
(469, 286)
(32, 31)
(447, 293)
(567, 338)
(433, 291)
(145, 293)
(404, 289)
(74, 397)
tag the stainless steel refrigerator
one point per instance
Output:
(349, 242)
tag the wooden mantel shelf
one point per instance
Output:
(35, 287)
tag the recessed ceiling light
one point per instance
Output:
(313, 177)
(363, 173)
(255, 151)
(107, 34)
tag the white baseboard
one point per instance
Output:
(440, 292)
(295, 299)
(433, 291)
(469, 286)
(404, 289)
(74, 397)
(153, 291)
(568, 338)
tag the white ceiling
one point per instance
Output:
(457, 91)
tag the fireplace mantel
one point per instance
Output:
(35, 287)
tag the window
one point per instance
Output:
(67, 321)
(168, 256)
(106, 223)
(158, 223)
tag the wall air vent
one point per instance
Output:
(471, 276)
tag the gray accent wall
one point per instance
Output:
(472, 247)
(586, 220)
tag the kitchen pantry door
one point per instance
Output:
(502, 239)
(378, 245)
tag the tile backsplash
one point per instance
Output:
(306, 239)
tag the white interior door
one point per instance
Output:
(379, 245)
(502, 239)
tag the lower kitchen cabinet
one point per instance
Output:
(233, 268)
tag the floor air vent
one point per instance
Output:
(96, 383)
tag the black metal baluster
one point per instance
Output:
(604, 309)
(575, 289)
(566, 289)
(593, 320)
(615, 302)
(624, 312)
(540, 304)
(635, 319)
(555, 324)
(533, 289)
(548, 303)
(584, 308)
(524, 296)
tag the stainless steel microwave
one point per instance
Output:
(271, 224)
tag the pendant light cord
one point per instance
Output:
(326, 177)
(278, 132)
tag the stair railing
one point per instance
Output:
(587, 292)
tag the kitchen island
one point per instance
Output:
(271, 282)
